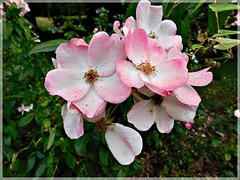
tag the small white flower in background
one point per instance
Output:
(237, 113)
(23, 108)
(95, 30)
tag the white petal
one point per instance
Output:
(164, 121)
(124, 143)
(72, 123)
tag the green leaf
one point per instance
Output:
(196, 46)
(40, 170)
(121, 173)
(225, 33)
(48, 46)
(198, 5)
(228, 43)
(25, 120)
(70, 160)
(104, 156)
(227, 157)
(40, 155)
(218, 7)
(7, 29)
(216, 142)
(51, 137)
(31, 163)
(81, 142)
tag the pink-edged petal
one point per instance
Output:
(146, 91)
(167, 28)
(169, 41)
(101, 108)
(111, 89)
(71, 108)
(78, 42)
(103, 52)
(142, 115)
(157, 54)
(144, 77)
(159, 91)
(71, 56)
(200, 78)
(163, 120)
(170, 75)
(56, 63)
(137, 46)
(174, 53)
(186, 57)
(67, 83)
(116, 25)
(187, 95)
(90, 104)
(148, 17)
(95, 118)
(128, 73)
(130, 24)
(72, 123)
(177, 110)
(125, 143)
(178, 45)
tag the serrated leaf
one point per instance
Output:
(81, 142)
(51, 137)
(48, 46)
(31, 163)
(228, 43)
(196, 46)
(218, 7)
(25, 120)
(225, 33)
(104, 156)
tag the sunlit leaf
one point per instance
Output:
(196, 46)
(225, 33)
(228, 43)
(218, 7)
(51, 137)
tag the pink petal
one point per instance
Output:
(111, 89)
(200, 78)
(101, 108)
(128, 74)
(71, 108)
(148, 17)
(130, 24)
(104, 51)
(163, 120)
(67, 83)
(177, 110)
(71, 56)
(187, 95)
(178, 45)
(169, 41)
(56, 63)
(95, 118)
(157, 54)
(156, 90)
(116, 28)
(78, 42)
(137, 46)
(124, 143)
(72, 123)
(142, 115)
(170, 75)
(174, 53)
(144, 77)
(146, 91)
(186, 57)
(90, 104)
(167, 28)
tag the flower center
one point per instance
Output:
(101, 125)
(146, 68)
(157, 99)
(153, 35)
(91, 76)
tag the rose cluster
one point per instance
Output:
(143, 57)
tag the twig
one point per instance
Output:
(175, 5)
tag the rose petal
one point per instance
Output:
(159, 91)
(174, 53)
(148, 17)
(95, 118)
(178, 45)
(73, 123)
(56, 63)
(128, 74)
(71, 56)
(116, 24)
(104, 51)
(111, 89)
(170, 75)
(129, 24)
(90, 104)
(146, 91)
(187, 95)
(200, 78)
(67, 83)
(78, 42)
(142, 115)
(163, 120)
(177, 110)
(137, 46)
(124, 143)
(169, 41)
